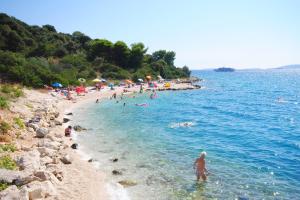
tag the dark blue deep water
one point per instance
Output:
(248, 122)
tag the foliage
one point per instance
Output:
(12, 90)
(7, 148)
(3, 103)
(37, 56)
(4, 127)
(19, 122)
(6, 162)
(3, 186)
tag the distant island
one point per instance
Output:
(224, 69)
(295, 66)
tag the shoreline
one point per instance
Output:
(80, 179)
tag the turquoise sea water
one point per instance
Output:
(252, 140)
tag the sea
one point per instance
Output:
(247, 121)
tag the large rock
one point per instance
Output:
(40, 190)
(16, 177)
(49, 144)
(29, 160)
(41, 132)
(66, 159)
(13, 193)
(44, 151)
(46, 176)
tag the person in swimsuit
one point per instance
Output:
(199, 166)
(68, 131)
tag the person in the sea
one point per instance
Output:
(97, 101)
(199, 166)
(68, 131)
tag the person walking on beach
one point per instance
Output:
(68, 131)
(199, 166)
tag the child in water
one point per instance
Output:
(200, 167)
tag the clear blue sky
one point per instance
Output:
(203, 33)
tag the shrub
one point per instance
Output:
(3, 186)
(7, 89)
(4, 127)
(19, 122)
(3, 103)
(6, 162)
(7, 148)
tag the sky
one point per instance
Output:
(203, 33)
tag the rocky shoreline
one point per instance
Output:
(44, 156)
(49, 166)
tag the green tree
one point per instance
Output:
(121, 54)
(136, 55)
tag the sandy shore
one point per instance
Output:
(79, 179)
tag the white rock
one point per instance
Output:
(29, 160)
(39, 190)
(13, 193)
(46, 160)
(46, 151)
(66, 159)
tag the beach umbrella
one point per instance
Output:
(96, 80)
(81, 80)
(56, 84)
(140, 80)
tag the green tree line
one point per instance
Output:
(34, 56)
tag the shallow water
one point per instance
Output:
(252, 140)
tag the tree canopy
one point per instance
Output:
(36, 56)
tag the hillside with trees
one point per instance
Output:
(35, 56)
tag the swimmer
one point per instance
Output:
(124, 104)
(97, 101)
(199, 165)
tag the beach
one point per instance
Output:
(65, 173)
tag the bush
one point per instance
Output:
(3, 103)
(3, 186)
(7, 148)
(4, 127)
(19, 122)
(6, 162)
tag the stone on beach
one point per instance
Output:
(74, 146)
(65, 120)
(42, 132)
(127, 183)
(66, 159)
(13, 193)
(40, 190)
(16, 177)
(79, 128)
(29, 160)
(116, 172)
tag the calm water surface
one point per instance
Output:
(252, 140)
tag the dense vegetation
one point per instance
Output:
(35, 56)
